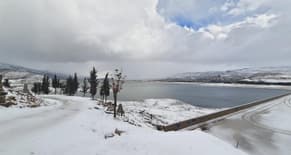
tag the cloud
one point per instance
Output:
(245, 6)
(168, 35)
(222, 32)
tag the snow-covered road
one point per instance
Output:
(23, 123)
(262, 130)
(72, 126)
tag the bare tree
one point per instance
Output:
(117, 82)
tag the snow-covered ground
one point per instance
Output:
(72, 126)
(76, 125)
(160, 111)
(17, 98)
(262, 130)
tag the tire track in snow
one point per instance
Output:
(252, 115)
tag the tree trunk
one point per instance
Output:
(115, 104)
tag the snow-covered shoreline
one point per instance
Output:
(152, 112)
(236, 85)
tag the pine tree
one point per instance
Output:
(45, 84)
(75, 83)
(6, 83)
(36, 88)
(85, 86)
(93, 83)
(69, 90)
(55, 83)
(59, 83)
(63, 87)
(105, 89)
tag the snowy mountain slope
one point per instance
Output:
(268, 75)
(18, 75)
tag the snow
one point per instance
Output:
(20, 99)
(161, 111)
(72, 126)
(263, 74)
(15, 112)
(269, 80)
(274, 118)
(234, 85)
(262, 130)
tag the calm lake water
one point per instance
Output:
(198, 95)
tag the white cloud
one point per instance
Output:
(137, 34)
(245, 6)
(221, 32)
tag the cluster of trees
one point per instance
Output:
(92, 83)
(105, 89)
(42, 87)
(71, 85)
(56, 83)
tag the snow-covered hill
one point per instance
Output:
(264, 75)
(23, 71)
(19, 75)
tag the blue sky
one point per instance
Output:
(196, 14)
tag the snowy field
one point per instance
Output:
(72, 126)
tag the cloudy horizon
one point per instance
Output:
(146, 38)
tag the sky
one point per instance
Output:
(145, 38)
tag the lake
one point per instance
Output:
(197, 95)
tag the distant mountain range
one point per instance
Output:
(264, 75)
(19, 72)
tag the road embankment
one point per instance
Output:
(216, 115)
